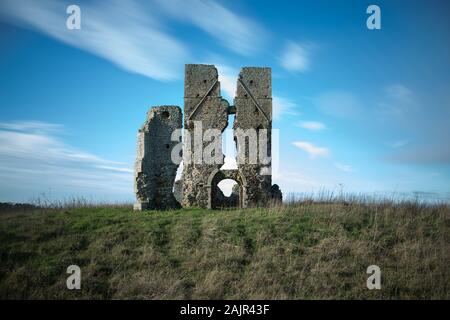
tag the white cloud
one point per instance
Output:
(30, 126)
(399, 92)
(228, 80)
(339, 104)
(127, 170)
(343, 167)
(233, 31)
(122, 32)
(398, 101)
(295, 57)
(312, 125)
(34, 159)
(294, 181)
(311, 149)
(423, 117)
(398, 144)
(282, 106)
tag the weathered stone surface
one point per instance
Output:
(205, 109)
(254, 111)
(203, 104)
(178, 191)
(154, 170)
(257, 80)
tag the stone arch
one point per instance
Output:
(218, 175)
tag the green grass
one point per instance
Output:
(301, 251)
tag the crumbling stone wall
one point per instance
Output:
(203, 105)
(154, 169)
(253, 105)
(205, 109)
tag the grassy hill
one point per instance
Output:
(301, 251)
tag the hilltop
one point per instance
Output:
(299, 251)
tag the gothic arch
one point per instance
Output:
(218, 175)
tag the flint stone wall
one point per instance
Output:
(202, 103)
(154, 169)
(253, 104)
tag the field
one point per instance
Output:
(304, 250)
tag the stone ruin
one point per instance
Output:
(155, 170)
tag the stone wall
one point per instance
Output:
(203, 105)
(253, 104)
(204, 108)
(154, 169)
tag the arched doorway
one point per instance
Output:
(233, 185)
(226, 194)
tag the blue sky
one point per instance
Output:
(359, 109)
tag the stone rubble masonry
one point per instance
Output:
(253, 104)
(202, 102)
(154, 170)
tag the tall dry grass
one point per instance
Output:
(300, 250)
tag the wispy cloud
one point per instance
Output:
(343, 167)
(312, 125)
(398, 144)
(228, 80)
(398, 100)
(399, 92)
(122, 32)
(117, 169)
(339, 104)
(311, 149)
(35, 126)
(282, 106)
(423, 118)
(293, 180)
(34, 159)
(231, 30)
(296, 57)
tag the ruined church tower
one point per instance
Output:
(205, 109)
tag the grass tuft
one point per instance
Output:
(305, 249)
